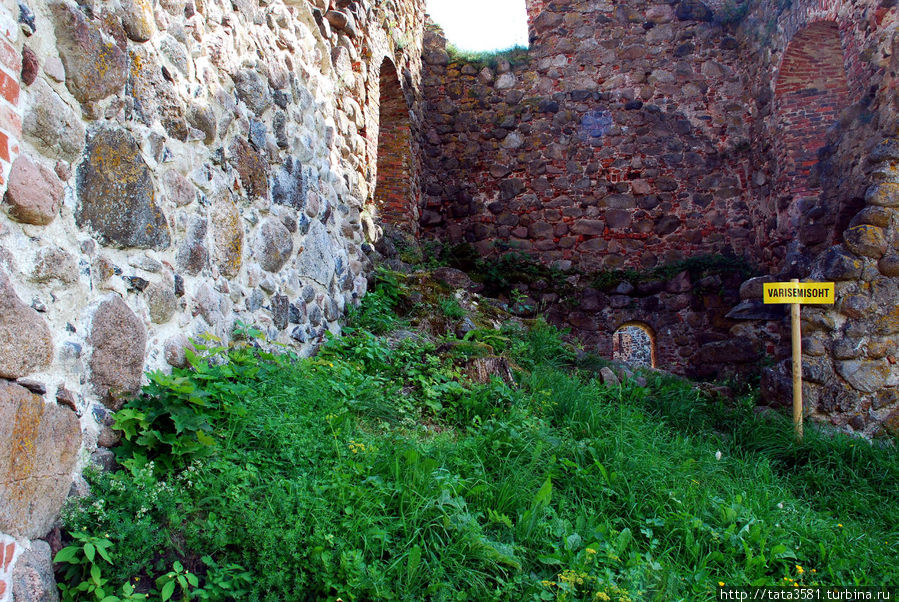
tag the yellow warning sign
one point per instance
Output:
(799, 292)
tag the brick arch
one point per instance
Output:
(622, 343)
(394, 198)
(802, 13)
(664, 348)
(811, 90)
(852, 24)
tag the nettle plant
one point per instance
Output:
(86, 562)
(172, 421)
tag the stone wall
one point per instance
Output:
(170, 168)
(620, 139)
(826, 118)
(687, 313)
(633, 134)
(823, 88)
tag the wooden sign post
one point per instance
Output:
(796, 293)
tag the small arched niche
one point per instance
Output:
(393, 190)
(634, 343)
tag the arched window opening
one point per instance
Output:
(393, 191)
(811, 90)
(634, 343)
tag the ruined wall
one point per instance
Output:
(619, 140)
(823, 88)
(170, 168)
(685, 312)
(834, 218)
(633, 134)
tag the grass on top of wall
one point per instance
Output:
(515, 55)
(377, 471)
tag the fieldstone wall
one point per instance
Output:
(822, 77)
(850, 349)
(168, 168)
(686, 316)
(634, 134)
(826, 118)
(619, 139)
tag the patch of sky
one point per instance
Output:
(481, 25)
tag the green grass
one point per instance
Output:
(515, 55)
(377, 471)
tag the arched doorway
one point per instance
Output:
(634, 343)
(811, 90)
(393, 190)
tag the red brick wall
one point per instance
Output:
(811, 90)
(10, 119)
(7, 557)
(808, 112)
(393, 193)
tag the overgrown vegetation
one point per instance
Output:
(502, 273)
(515, 55)
(698, 266)
(499, 274)
(378, 471)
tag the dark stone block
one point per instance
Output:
(116, 193)
(289, 186)
(693, 10)
(280, 311)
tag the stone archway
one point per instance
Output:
(810, 92)
(634, 343)
(394, 197)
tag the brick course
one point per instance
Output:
(393, 192)
(8, 553)
(10, 117)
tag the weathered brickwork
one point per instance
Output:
(633, 134)
(8, 553)
(812, 48)
(810, 92)
(10, 117)
(396, 171)
(619, 140)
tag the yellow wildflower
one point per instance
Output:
(721, 584)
